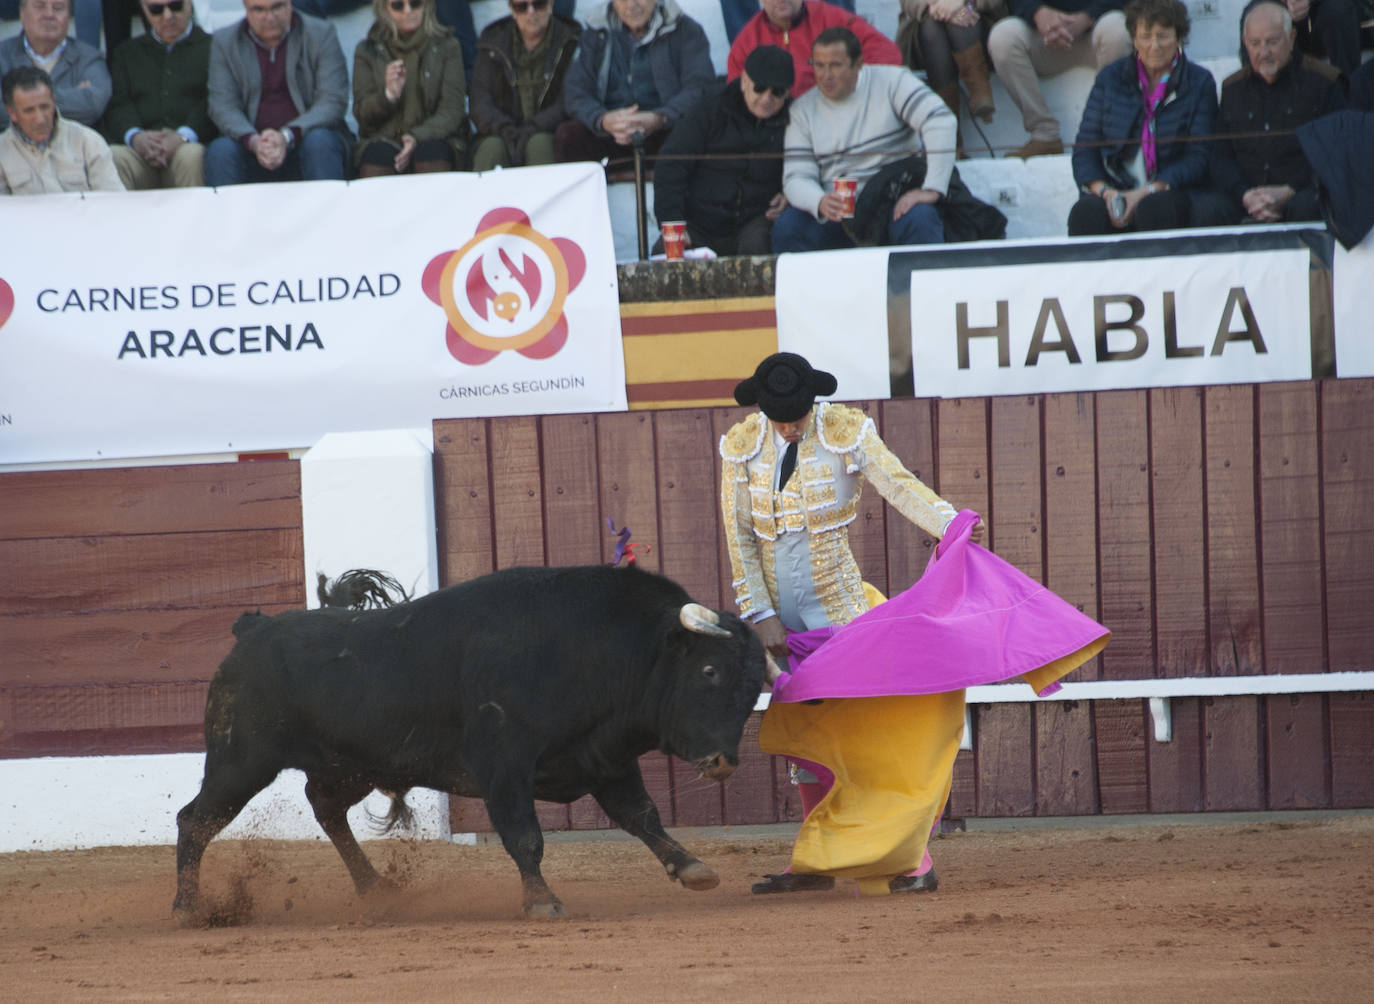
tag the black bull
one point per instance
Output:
(527, 683)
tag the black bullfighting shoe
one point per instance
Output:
(788, 882)
(927, 882)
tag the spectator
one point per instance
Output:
(1328, 29)
(409, 93)
(1362, 88)
(43, 152)
(80, 82)
(1266, 178)
(736, 14)
(278, 93)
(947, 38)
(1131, 174)
(855, 121)
(730, 205)
(517, 88)
(457, 15)
(641, 65)
(158, 119)
(794, 24)
(1041, 41)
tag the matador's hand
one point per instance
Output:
(773, 635)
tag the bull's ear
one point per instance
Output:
(702, 620)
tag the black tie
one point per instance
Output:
(789, 464)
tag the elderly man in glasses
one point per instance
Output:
(730, 205)
(278, 94)
(158, 122)
(80, 81)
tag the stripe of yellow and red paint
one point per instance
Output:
(691, 353)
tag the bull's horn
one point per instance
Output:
(774, 670)
(702, 620)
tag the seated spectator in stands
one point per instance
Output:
(80, 81)
(1362, 88)
(409, 93)
(457, 15)
(794, 25)
(730, 205)
(278, 93)
(517, 89)
(736, 14)
(946, 38)
(44, 152)
(641, 65)
(158, 120)
(1041, 41)
(1260, 175)
(1328, 29)
(854, 122)
(1132, 176)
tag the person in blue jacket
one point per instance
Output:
(1128, 160)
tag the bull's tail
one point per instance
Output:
(360, 589)
(399, 814)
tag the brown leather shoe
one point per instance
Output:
(928, 882)
(788, 882)
(1039, 148)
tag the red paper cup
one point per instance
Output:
(846, 188)
(674, 240)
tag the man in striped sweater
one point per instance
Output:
(854, 122)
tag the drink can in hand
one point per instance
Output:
(846, 188)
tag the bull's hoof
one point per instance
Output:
(697, 877)
(928, 882)
(790, 882)
(545, 910)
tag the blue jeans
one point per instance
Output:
(736, 13)
(798, 230)
(321, 155)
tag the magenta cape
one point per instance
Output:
(971, 619)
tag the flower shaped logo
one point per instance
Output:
(505, 289)
(6, 302)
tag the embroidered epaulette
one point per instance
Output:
(840, 427)
(745, 439)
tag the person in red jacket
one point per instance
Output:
(794, 24)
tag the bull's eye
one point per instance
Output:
(709, 672)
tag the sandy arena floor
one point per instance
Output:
(1273, 911)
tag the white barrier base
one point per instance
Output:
(72, 803)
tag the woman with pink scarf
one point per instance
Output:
(1140, 147)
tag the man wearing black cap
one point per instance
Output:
(790, 486)
(729, 205)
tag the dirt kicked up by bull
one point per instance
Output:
(528, 683)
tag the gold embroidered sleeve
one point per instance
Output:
(903, 490)
(737, 519)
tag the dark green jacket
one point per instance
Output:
(157, 89)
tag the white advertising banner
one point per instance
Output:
(261, 317)
(1104, 325)
(1352, 278)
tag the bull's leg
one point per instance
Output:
(628, 804)
(510, 805)
(226, 789)
(331, 799)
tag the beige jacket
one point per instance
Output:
(76, 160)
(838, 452)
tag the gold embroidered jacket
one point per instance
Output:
(838, 451)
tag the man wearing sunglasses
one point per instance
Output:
(278, 94)
(80, 81)
(730, 205)
(641, 65)
(159, 120)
